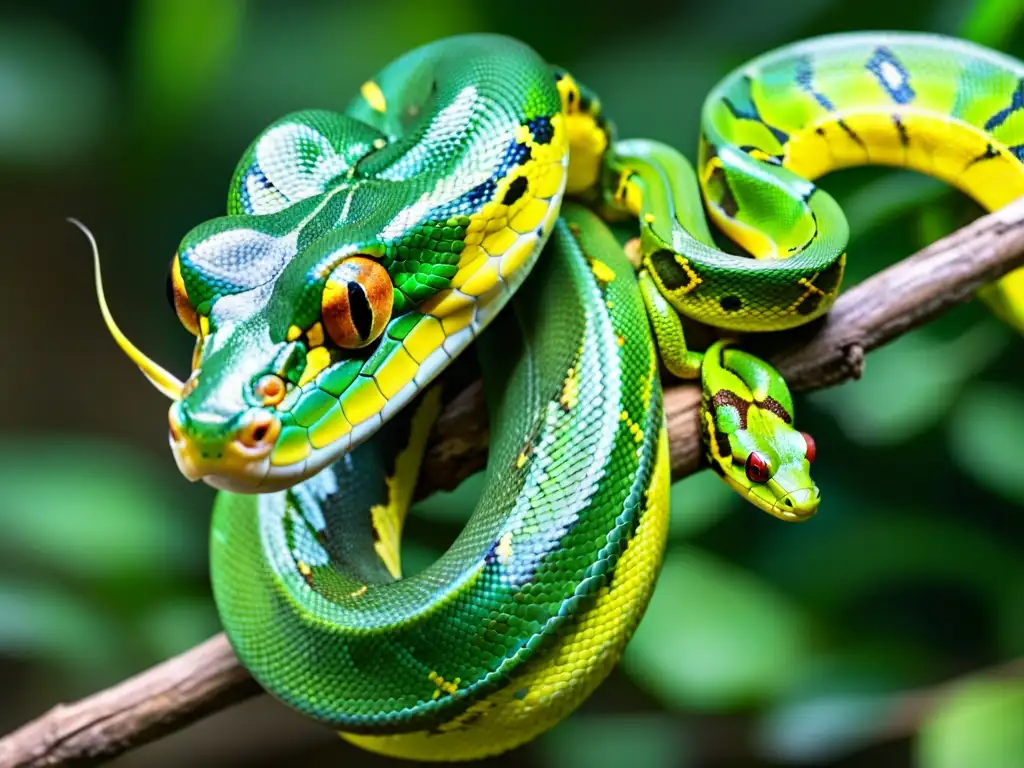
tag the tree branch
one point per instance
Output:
(208, 677)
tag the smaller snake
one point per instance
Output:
(364, 251)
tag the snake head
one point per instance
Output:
(282, 380)
(332, 294)
(747, 427)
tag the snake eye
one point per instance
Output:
(758, 468)
(270, 389)
(357, 302)
(178, 298)
(812, 449)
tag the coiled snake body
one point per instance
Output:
(363, 251)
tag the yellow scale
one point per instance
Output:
(923, 138)
(499, 240)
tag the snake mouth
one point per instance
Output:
(240, 462)
(798, 505)
(793, 507)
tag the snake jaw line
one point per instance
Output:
(164, 381)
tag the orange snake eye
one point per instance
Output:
(178, 298)
(270, 389)
(357, 302)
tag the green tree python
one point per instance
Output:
(363, 251)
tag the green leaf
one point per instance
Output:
(910, 384)
(714, 636)
(596, 741)
(980, 724)
(985, 434)
(56, 96)
(698, 502)
(91, 508)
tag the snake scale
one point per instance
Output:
(465, 195)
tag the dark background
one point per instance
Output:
(766, 644)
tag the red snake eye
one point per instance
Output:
(812, 449)
(758, 468)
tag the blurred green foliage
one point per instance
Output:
(765, 644)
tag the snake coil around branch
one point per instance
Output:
(208, 678)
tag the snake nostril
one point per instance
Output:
(259, 431)
(788, 502)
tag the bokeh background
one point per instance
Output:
(833, 643)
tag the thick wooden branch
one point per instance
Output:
(208, 678)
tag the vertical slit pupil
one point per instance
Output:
(359, 306)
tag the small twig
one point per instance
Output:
(208, 677)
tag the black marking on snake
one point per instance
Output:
(809, 304)
(516, 189)
(828, 279)
(774, 406)
(515, 155)
(707, 149)
(715, 466)
(901, 129)
(883, 64)
(541, 129)
(989, 153)
(722, 442)
(1018, 151)
(727, 202)
(805, 79)
(850, 132)
(169, 287)
(265, 184)
(518, 154)
(1016, 103)
(752, 114)
(359, 307)
(671, 273)
(622, 187)
(731, 303)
